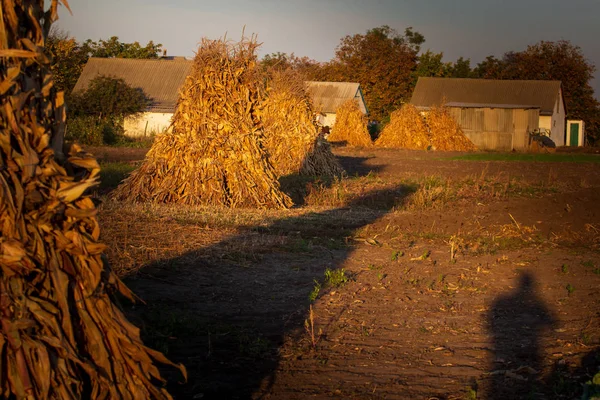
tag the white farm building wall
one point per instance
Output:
(147, 124)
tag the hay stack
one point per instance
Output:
(291, 134)
(350, 126)
(445, 133)
(213, 155)
(62, 337)
(406, 130)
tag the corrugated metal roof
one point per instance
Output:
(489, 105)
(329, 96)
(159, 79)
(433, 91)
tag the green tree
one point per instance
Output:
(96, 115)
(109, 97)
(461, 68)
(69, 56)
(430, 64)
(490, 68)
(115, 48)
(68, 59)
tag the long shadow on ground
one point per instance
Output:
(224, 310)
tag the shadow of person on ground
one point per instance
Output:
(225, 310)
(517, 322)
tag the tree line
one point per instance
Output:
(386, 63)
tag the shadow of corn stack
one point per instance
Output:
(214, 154)
(62, 336)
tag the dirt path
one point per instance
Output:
(514, 314)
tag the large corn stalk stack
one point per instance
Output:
(406, 130)
(61, 336)
(291, 133)
(214, 154)
(445, 133)
(350, 126)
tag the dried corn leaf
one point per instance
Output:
(56, 307)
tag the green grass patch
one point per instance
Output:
(528, 157)
(112, 173)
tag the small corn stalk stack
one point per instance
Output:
(437, 130)
(291, 133)
(350, 126)
(214, 154)
(61, 335)
(445, 133)
(406, 130)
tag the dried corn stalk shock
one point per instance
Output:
(350, 126)
(406, 130)
(214, 154)
(291, 133)
(62, 337)
(445, 133)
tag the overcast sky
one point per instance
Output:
(469, 28)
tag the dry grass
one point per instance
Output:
(350, 126)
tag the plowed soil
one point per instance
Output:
(490, 290)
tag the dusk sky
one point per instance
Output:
(469, 28)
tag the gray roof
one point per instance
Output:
(329, 96)
(489, 105)
(531, 94)
(160, 79)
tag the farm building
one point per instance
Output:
(327, 97)
(497, 114)
(160, 79)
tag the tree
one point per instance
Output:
(108, 97)
(114, 48)
(68, 59)
(430, 64)
(490, 68)
(382, 61)
(69, 56)
(461, 68)
(96, 115)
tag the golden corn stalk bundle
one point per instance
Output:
(445, 133)
(406, 130)
(62, 337)
(291, 133)
(350, 126)
(214, 154)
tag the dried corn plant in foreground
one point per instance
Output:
(62, 337)
(291, 134)
(445, 133)
(214, 154)
(406, 130)
(350, 126)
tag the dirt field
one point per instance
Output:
(416, 277)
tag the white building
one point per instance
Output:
(327, 97)
(160, 79)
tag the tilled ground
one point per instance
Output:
(492, 297)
